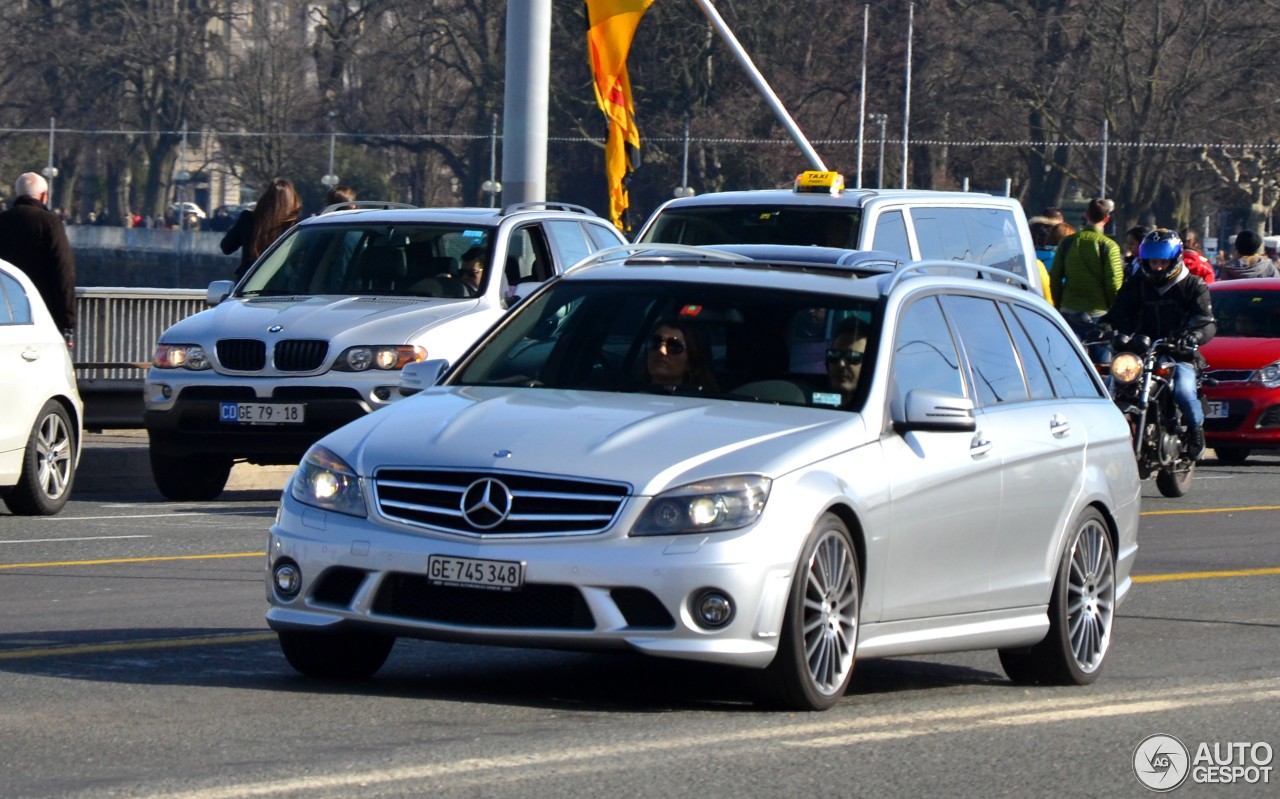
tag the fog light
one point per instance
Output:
(383, 393)
(166, 392)
(712, 609)
(287, 578)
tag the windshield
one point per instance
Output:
(423, 260)
(1247, 314)
(713, 340)
(758, 224)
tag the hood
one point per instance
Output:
(371, 319)
(1224, 352)
(649, 442)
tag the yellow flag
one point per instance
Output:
(611, 24)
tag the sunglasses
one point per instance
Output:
(472, 272)
(848, 357)
(674, 345)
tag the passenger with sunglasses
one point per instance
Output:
(472, 271)
(677, 356)
(844, 359)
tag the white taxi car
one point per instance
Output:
(40, 409)
(693, 454)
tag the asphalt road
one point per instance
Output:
(134, 661)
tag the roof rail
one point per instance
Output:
(942, 266)
(366, 205)
(534, 205)
(658, 252)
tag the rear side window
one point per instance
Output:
(569, 240)
(15, 308)
(1070, 374)
(988, 236)
(993, 366)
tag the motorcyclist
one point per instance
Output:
(1169, 302)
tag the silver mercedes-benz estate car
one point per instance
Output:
(699, 454)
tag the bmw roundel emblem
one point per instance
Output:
(486, 503)
(275, 328)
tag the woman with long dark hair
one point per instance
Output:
(255, 230)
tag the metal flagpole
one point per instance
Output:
(906, 100)
(762, 85)
(862, 93)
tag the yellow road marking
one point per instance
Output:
(1208, 510)
(1166, 578)
(126, 646)
(107, 561)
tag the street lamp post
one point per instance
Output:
(183, 177)
(684, 190)
(880, 119)
(330, 180)
(492, 186)
(50, 171)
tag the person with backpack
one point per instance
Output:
(1087, 271)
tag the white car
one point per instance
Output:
(693, 454)
(317, 331)
(40, 409)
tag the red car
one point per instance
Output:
(1242, 386)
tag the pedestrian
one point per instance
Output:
(1132, 241)
(1248, 261)
(257, 229)
(343, 197)
(33, 239)
(1193, 256)
(1086, 274)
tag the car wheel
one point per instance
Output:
(1081, 613)
(48, 465)
(345, 655)
(1176, 480)
(190, 478)
(820, 629)
(1231, 456)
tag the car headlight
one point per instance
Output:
(712, 506)
(326, 481)
(1126, 367)
(181, 356)
(386, 358)
(1269, 375)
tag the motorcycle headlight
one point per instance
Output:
(325, 481)
(384, 358)
(182, 356)
(1126, 367)
(713, 506)
(1269, 375)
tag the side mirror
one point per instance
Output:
(218, 291)
(934, 410)
(418, 376)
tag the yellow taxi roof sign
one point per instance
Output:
(813, 180)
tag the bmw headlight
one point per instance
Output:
(384, 358)
(326, 481)
(713, 506)
(1269, 375)
(1126, 367)
(182, 356)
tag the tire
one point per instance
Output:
(1176, 480)
(190, 478)
(345, 655)
(48, 465)
(1231, 456)
(819, 639)
(1081, 613)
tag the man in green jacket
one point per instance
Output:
(1087, 271)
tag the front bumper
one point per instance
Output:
(589, 592)
(1252, 419)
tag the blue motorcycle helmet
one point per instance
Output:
(1161, 245)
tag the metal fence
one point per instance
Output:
(116, 335)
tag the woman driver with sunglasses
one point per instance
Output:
(675, 355)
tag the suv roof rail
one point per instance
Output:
(657, 252)
(535, 205)
(357, 205)
(943, 266)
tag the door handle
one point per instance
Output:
(1059, 426)
(980, 445)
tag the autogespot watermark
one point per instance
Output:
(1162, 763)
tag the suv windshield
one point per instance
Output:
(423, 260)
(757, 224)
(738, 342)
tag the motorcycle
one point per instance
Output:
(1142, 386)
